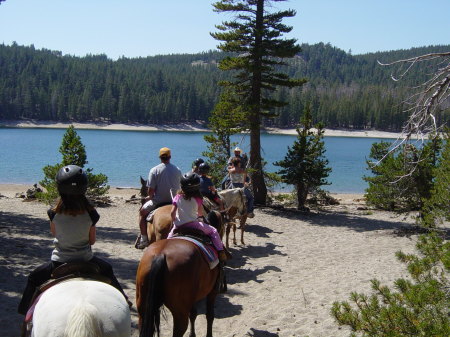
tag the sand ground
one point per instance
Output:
(282, 282)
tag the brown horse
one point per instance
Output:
(235, 204)
(173, 272)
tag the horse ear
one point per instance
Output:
(142, 180)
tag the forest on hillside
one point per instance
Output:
(346, 91)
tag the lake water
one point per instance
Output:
(125, 155)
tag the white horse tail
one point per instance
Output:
(83, 322)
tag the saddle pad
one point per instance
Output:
(208, 252)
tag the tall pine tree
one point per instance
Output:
(255, 37)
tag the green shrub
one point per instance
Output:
(73, 153)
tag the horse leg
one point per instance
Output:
(234, 234)
(242, 222)
(228, 233)
(192, 317)
(210, 300)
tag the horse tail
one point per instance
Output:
(154, 299)
(83, 321)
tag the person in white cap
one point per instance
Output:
(226, 183)
(242, 156)
(163, 182)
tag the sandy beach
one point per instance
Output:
(281, 283)
(199, 126)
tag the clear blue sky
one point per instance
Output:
(134, 28)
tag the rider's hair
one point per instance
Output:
(190, 194)
(235, 161)
(73, 204)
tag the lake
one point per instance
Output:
(125, 155)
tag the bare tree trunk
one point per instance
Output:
(257, 175)
(302, 194)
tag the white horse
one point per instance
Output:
(235, 202)
(81, 308)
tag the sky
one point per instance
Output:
(140, 28)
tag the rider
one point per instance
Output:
(239, 178)
(207, 188)
(226, 183)
(196, 164)
(72, 223)
(163, 180)
(187, 207)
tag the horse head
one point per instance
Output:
(218, 219)
(144, 190)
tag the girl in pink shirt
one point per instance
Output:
(187, 207)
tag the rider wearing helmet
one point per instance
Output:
(207, 188)
(72, 223)
(196, 164)
(187, 207)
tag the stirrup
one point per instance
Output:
(140, 244)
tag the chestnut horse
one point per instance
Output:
(235, 204)
(173, 272)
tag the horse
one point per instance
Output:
(235, 201)
(81, 307)
(173, 272)
(235, 205)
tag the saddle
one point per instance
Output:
(150, 215)
(194, 234)
(202, 241)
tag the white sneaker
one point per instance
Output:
(141, 243)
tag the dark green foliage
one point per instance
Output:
(305, 165)
(347, 91)
(401, 179)
(73, 153)
(418, 306)
(436, 209)
(226, 119)
(254, 35)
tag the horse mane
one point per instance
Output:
(83, 322)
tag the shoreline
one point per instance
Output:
(10, 190)
(184, 127)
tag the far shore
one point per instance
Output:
(11, 189)
(185, 127)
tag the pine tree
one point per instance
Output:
(255, 35)
(305, 165)
(437, 208)
(401, 180)
(225, 121)
(73, 153)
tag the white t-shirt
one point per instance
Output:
(187, 210)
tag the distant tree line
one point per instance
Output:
(345, 90)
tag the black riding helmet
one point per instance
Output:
(204, 168)
(71, 180)
(198, 161)
(190, 182)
